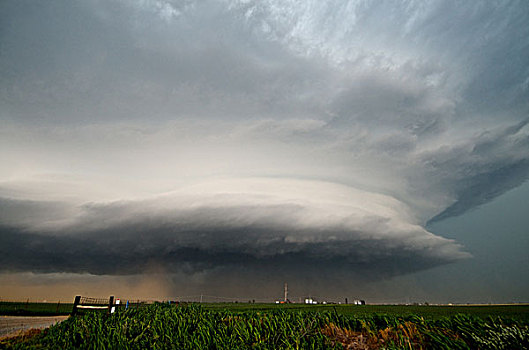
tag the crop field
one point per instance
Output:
(229, 326)
(515, 312)
(34, 309)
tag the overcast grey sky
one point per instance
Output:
(348, 147)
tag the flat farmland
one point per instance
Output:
(513, 311)
(34, 309)
(518, 312)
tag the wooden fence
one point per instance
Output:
(109, 305)
(86, 303)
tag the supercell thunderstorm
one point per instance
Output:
(252, 135)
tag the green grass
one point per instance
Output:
(162, 326)
(34, 309)
(516, 312)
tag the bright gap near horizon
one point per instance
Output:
(254, 142)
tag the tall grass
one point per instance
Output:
(193, 327)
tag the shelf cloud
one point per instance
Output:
(232, 222)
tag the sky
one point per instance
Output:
(171, 149)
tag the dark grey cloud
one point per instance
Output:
(105, 254)
(474, 178)
(301, 225)
(207, 135)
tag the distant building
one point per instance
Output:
(359, 302)
(310, 301)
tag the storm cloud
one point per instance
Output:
(254, 135)
(229, 223)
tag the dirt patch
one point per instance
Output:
(349, 339)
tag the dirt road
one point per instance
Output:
(11, 325)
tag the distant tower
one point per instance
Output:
(286, 292)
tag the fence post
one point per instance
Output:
(110, 304)
(75, 303)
